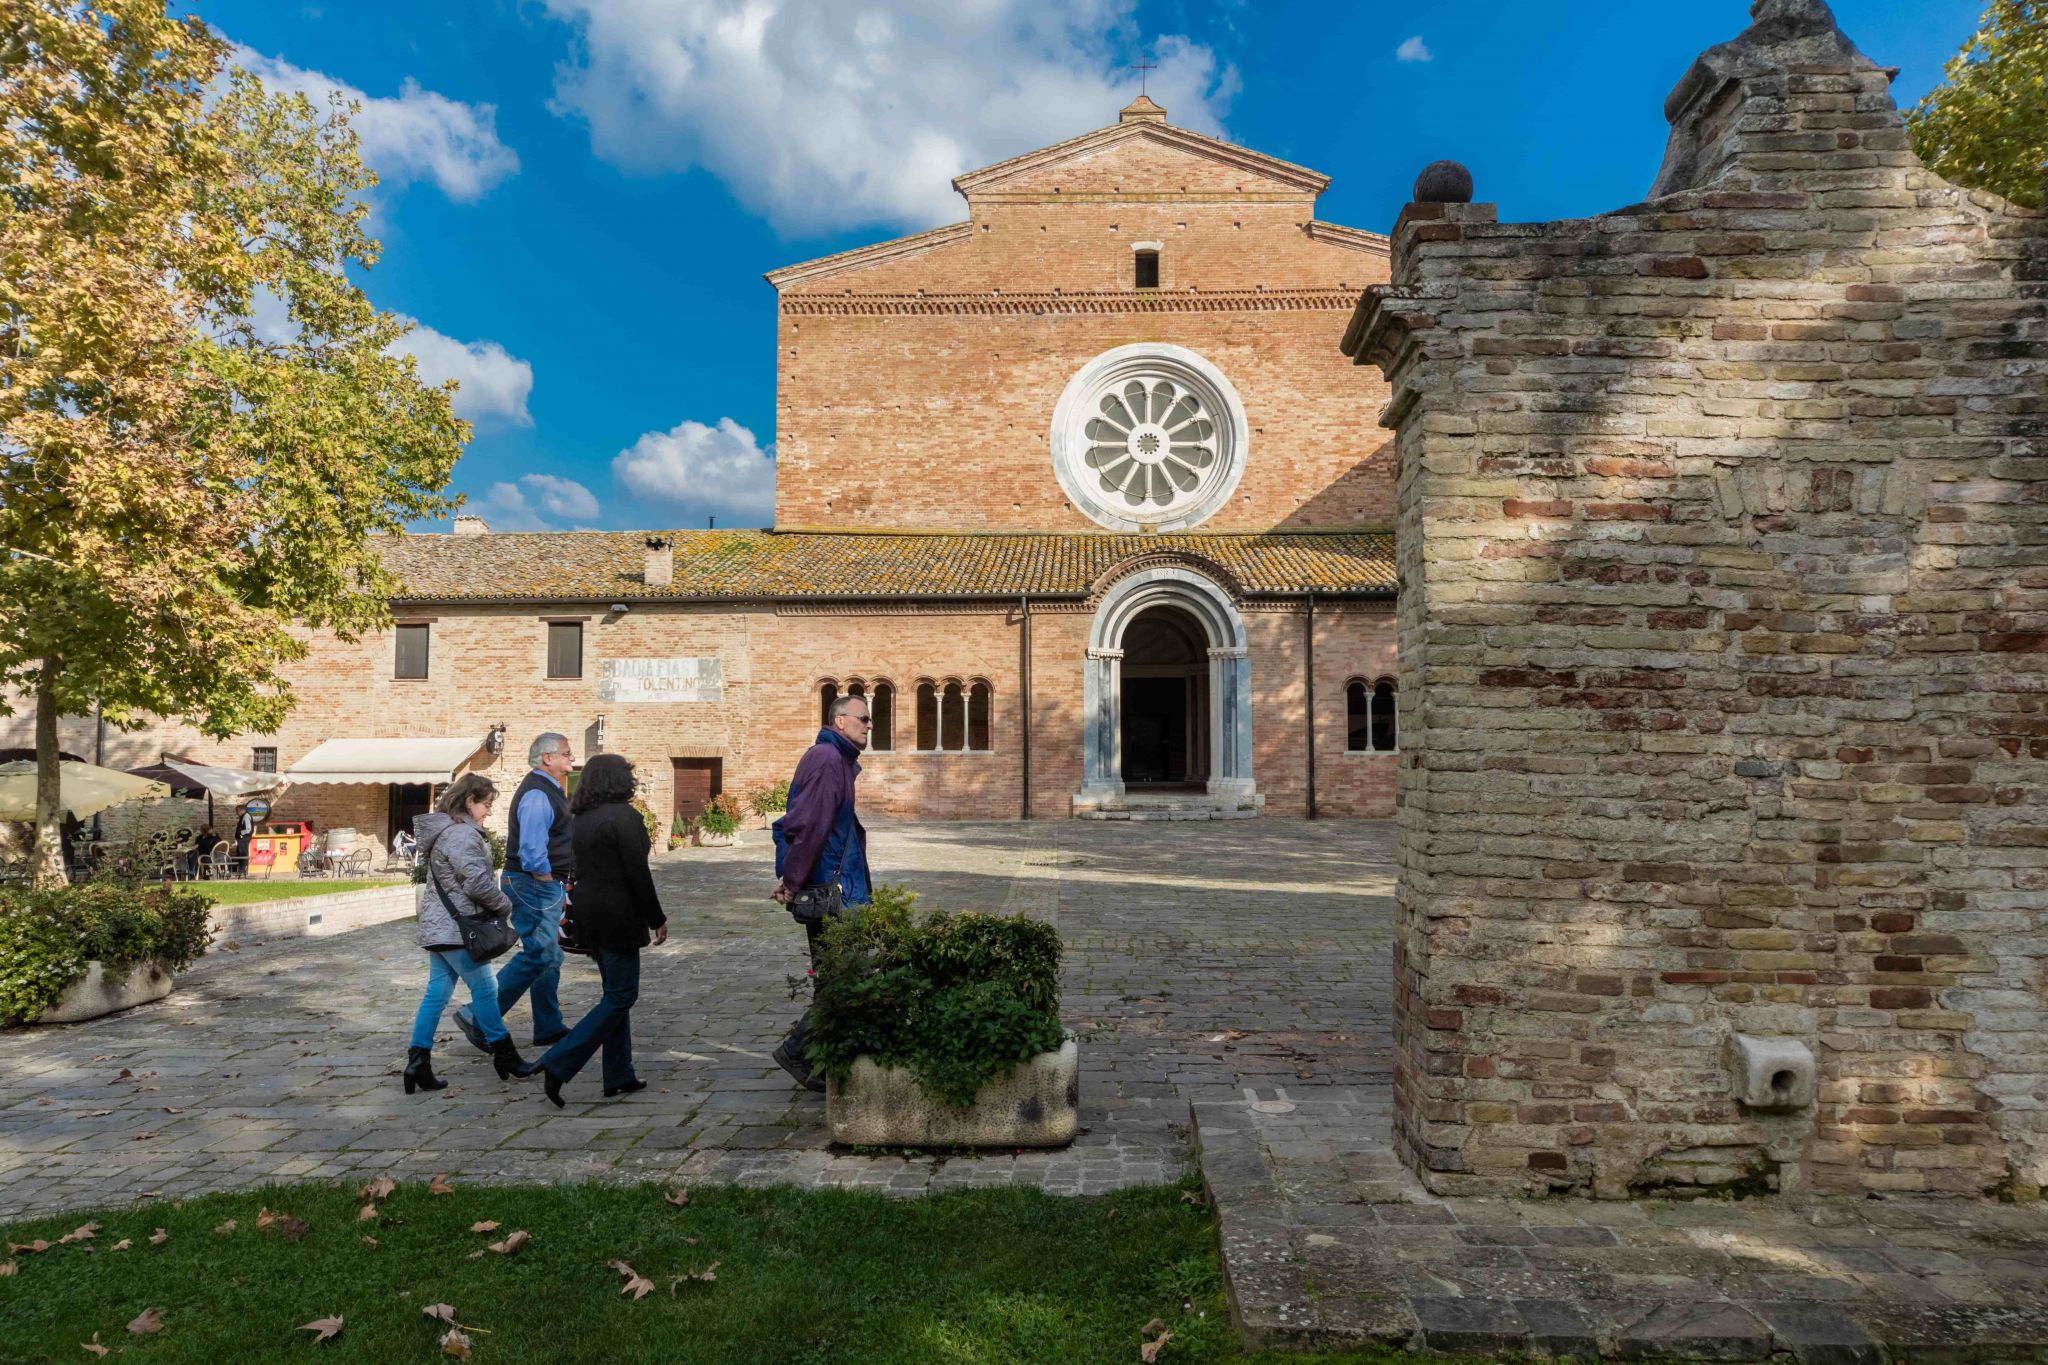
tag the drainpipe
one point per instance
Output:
(1309, 678)
(1024, 694)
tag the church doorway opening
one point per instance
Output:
(1165, 702)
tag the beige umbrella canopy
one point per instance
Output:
(84, 790)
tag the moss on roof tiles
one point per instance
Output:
(592, 565)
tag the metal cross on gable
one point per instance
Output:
(1142, 68)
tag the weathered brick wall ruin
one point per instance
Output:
(1724, 539)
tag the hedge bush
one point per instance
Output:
(48, 937)
(957, 999)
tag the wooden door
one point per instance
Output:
(697, 780)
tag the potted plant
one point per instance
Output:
(78, 952)
(769, 802)
(678, 832)
(942, 1030)
(719, 822)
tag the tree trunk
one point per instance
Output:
(47, 866)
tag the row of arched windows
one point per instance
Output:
(1369, 715)
(951, 714)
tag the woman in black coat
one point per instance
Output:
(615, 914)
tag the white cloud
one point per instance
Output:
(827, 114)
(416, 135)
(560, 497)
(720, 469)
(1414, 50)
(491, 382)
(508, 506)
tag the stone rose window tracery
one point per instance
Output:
(1148, 438)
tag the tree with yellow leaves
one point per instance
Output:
(1986, 125)
(182, 491)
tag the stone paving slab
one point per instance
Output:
(1199, 959)
(1327, 1241)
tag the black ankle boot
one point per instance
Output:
(505, 1056)
(552, 1084)
(419, 1071)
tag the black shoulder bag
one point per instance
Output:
(820, 901)
(483, 936)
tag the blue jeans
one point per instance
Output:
(537, 919)
(608, 1025)
(442, 969)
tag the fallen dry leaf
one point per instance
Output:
(483, 1227)
(37, 1245)
(638, 1285)
(439, 1185)
(1153, 1328)
(169, 1110)
(159, 1237)
(264, 1219)
(93, 1345)
(455, 1343)
(98, 1114)
(324, 1329)
(366, 1213)
(370, 1242)
(380, 1188)
(226, 1227)
(121, 1245)
(147, 1321)
(1149, 1352)
(8, 1268)
(144, 1137)
(103, 1057)
(292, 1229)
(679, 1198)
(707, 1274)
(508, 1246)
(444, 1311)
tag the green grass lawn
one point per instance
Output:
(1005, 1277)
(249, 893)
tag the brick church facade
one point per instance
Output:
(1080, 492)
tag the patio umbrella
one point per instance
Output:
(187, 778)
(83, 789)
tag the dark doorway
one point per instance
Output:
(408, 801)
(697, 781)
(1164, 701)
(1155, 730)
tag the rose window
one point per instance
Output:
(1148, 438)
(1151, 443)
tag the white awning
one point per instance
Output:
(383, 760)
(228, 781)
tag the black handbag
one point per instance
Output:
(483, 936)
(820, 901)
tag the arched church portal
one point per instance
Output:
(1167, 693)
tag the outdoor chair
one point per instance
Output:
(222, 864)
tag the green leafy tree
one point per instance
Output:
(182, 492)
(1986, 126)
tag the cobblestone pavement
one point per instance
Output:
(1201, 960)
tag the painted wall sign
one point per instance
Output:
(658, 680)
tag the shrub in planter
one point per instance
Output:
(48, 938)
(955, 999)
(678, 832)
(722, 817)
(770, 801)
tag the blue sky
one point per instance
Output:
(581, 195)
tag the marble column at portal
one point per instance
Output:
(1101, 694)
(1230, 722)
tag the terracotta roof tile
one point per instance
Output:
(581, 566)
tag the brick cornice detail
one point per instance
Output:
(1117, 301)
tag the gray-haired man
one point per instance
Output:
(538, 861)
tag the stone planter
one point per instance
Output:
(96, 993)
(706, 839)
(1036, 1105)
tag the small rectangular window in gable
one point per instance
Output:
(565, 649)
(412, 652)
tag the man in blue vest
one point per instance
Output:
(820, 844)
(538, 863)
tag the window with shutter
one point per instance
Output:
(412, 651)
(565, 649)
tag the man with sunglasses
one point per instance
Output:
(821, 856)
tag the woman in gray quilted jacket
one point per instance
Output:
(451, 840)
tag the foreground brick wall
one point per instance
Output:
(1723, 543)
